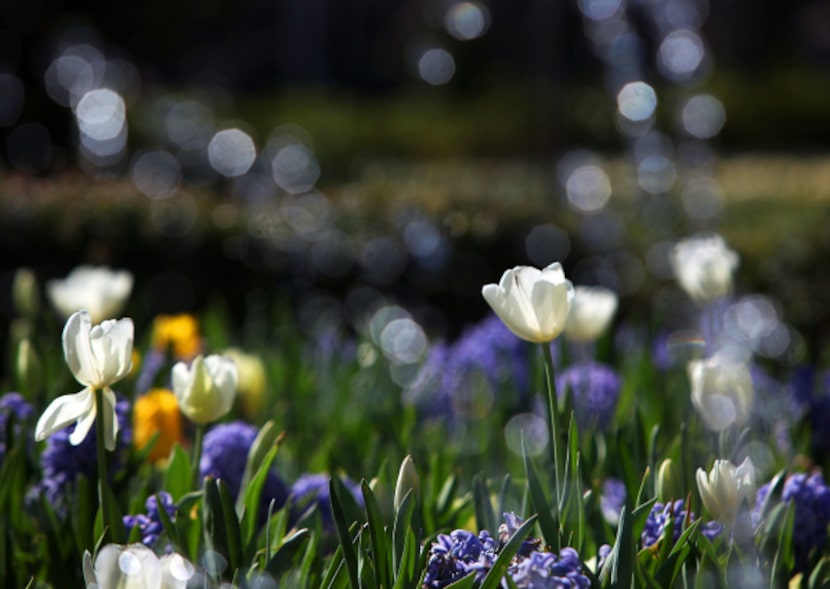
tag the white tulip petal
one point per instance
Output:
(112, 345)
(63, 411)
(77, 349)
(89, 570)
(110, 419)
(82, 427)
(135, 566)
(107, 573)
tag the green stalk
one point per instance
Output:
(553, 414)
(195, 483)
(103, 495)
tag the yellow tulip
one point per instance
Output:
(157, 411)
(179, 333)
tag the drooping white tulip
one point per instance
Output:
(592, 310)
(722, 391)
(725, 488)
(206, 388)
(534, 304)
(704, 266)
(99, 290)
(98, 357)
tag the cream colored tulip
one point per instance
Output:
(534, 304)
(725, 488)
(206, 388)
(592, 310)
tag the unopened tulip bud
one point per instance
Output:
(669, 482)
(407, 481)
(25, 293)
(29, 368)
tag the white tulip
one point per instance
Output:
(726, 487)
(534, 304)
(135, 566)
(704, 266)
(206, 388)
(591, 312)
(176, 571)
(722, 391)
(99, 290)
(98, 357)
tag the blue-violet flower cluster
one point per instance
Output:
(594, 387)
(13, 408)
(487, 355)
(62, 463)
(149, 523)
(673, 511)
(460, 553)
(812, 512)
(313, 489)
(224, 451)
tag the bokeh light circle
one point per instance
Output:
(231, 152)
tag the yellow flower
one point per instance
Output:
(179, 332)
(252, 381)
(157, 411)
(136, 363)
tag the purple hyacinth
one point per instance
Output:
(809, 394)
(595, 388)
(812, 512)
(62, 463)
(313, 489)
(661, 514)
(457, 554)
(149, 523)
(486, 356)
(460, 553)
(153, 362)
(612, 500)
(224, 451)
(14, 408)
(545, 570)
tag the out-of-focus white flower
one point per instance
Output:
(99, 290)
(592, 309)
(722, 391)
(135, 566)
(725, 488)
(206, 388)
(98, 357)
(534, 304)
(704, 266)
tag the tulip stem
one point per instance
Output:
(553, 414)
(100, 443)
(197, 457)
